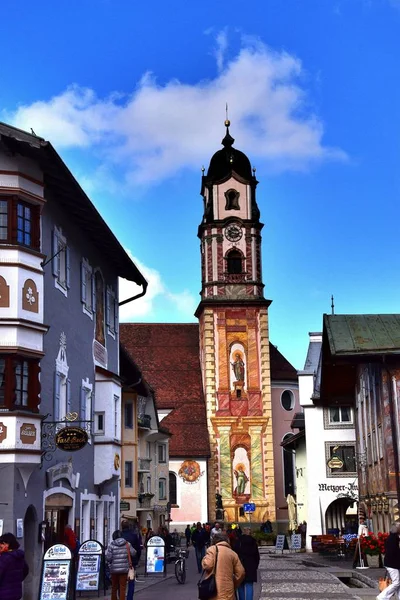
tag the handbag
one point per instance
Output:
(207, 586)
(131, 570)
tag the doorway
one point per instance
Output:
(56, 515)
(32, 552)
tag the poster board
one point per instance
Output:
(280, 543)
(55, 580)
(295, 543)
(90, 564)
(155, 556)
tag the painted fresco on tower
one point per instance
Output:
(241, 472)
(238, 365)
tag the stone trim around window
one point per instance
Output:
(328, 425)
(331, 472)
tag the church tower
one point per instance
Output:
(234, 339)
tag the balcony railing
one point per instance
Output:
(144, 464)
(144, 422)
(145, 500)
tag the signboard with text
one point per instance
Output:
(280, 542)
(90, 562)
(295, 543)
(249, 507)
(155, 556)
(56, 573)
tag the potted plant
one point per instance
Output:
(373, 546)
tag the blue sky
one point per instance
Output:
(132, 95)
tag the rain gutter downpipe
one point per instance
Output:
(142, 293)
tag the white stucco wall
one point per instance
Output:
(191, 497)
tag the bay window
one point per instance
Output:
(19, 383)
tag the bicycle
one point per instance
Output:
(180, 564)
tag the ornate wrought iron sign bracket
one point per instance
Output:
(69, 435)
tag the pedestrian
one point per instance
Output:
(392, 563)
(188, 535)
(199, 541)
(362, 530)
(149, 534)
(13, 568)
(119, 555)
(130, 536)
(214, 530)
(70, 539)
(229, 572)
(247, 549)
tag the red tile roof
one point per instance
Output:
(168, 356)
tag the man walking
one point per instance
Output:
(199, 541)
(392, 563)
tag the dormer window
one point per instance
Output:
(232, 200)
(234, 262)
(19, 223)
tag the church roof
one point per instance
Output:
(281, 368)
(168, 356)
(227, 160)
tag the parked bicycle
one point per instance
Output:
(180, 564)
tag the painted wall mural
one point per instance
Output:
(238, 366)
(190, 471)
(30, 296)
(4, 293)
(241, 472)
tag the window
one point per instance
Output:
(148, 485)
(162, 488)
(172, 488)
(86, 402)
(19, 383)
(341, 459)
(232, 200)
(287, 400)
(128, 474)
(19, 223)
(116, 415)
(87, 288)
(340, 414)
(162, 453)
(128, 415)
(234, 262)
(99, 423)
(61, 266)
(111, 312)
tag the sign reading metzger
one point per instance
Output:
(71, 439)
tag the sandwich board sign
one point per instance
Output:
(155, 556)
(90, 567)
(296, 541)
(280, 543)
(55, 580)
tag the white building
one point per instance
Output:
(330, 470)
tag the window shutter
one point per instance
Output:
(68, 395)
(108, 308)
(116, 316)
(93, 293)
(56, 397)
(83, 283)
(83, 405)
(67, 267)
(55, 260)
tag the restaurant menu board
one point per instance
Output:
(280, 543)
(89, 565)
(155, 555)
(56, 571)
(296, 541)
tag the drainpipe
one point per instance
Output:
(394, 432)
(142, 293)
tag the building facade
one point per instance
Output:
(59, 353)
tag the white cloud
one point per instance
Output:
(180, 306)
(158, 130)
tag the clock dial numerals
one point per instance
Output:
(233, 233)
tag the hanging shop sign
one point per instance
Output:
(71, 439)
(335, 463)
(155, 555)
(90, 566)
(55, 581)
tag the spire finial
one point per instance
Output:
(227, 121)
(332, 305)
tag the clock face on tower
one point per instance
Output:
(233, 233)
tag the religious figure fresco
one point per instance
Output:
(238, 367)
(241, 472)
(241, 479)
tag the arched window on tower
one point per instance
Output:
(234, 262)
(172, 488)
(232, 200)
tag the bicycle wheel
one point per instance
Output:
(180, 571)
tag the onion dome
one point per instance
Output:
(229, 159)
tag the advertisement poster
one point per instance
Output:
(88, 572)
(155, 555)
(54, 585)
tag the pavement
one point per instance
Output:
(282, 576)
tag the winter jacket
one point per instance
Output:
(392, 551)
(229, 573)
(134, 540)
(117, 555)
(200, 538)
(13, 570)
(247, 550)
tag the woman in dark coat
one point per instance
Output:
(13, 568)
(247, 549)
